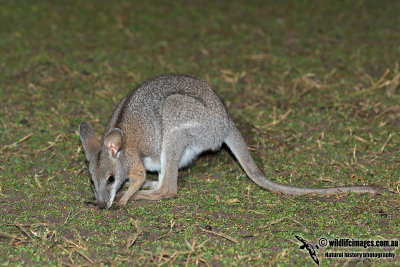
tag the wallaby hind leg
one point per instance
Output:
(167, 185)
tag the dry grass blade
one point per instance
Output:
(84, 256)
(355, 154)
(381, 82)
(221, 235)
(5, 235)
(36, 178)
(66, 220)
(204, 261)
(193, 254)
(384, 145)
(72, 244)
(230, 76)
(17, 240)
(78, 247)
(51, 144)
(277, 221)
(306, 82)
(358, 138)
(27, 237)
(276, 120)
(131, 240)
(172, 224)
(192, 249)
(163, 256)
(258, 56)
(17, 142)
(22, 230)
(393, 85)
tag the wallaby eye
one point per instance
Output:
(111, 179)
(91, 182)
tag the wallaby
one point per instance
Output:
(163, 125)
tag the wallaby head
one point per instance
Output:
(105, 163)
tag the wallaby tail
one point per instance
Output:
(239, 148)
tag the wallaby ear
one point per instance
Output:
(90, 143)
(114, 142)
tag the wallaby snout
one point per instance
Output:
(101, 204)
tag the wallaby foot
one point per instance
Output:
(153, 195)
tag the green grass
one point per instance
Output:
(312, 85)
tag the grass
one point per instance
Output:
(313, 87)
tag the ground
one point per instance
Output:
(312, 86)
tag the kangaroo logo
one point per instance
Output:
(311, 248)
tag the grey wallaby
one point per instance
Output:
(162, 126)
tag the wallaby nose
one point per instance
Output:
(102, 205)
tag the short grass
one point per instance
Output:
(312, 85)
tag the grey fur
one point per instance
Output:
(164, 124)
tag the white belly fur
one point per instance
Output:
(188, 156)
(151, 164)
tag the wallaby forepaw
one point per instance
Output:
(115, 207)
(121, 203)
(119, 196)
